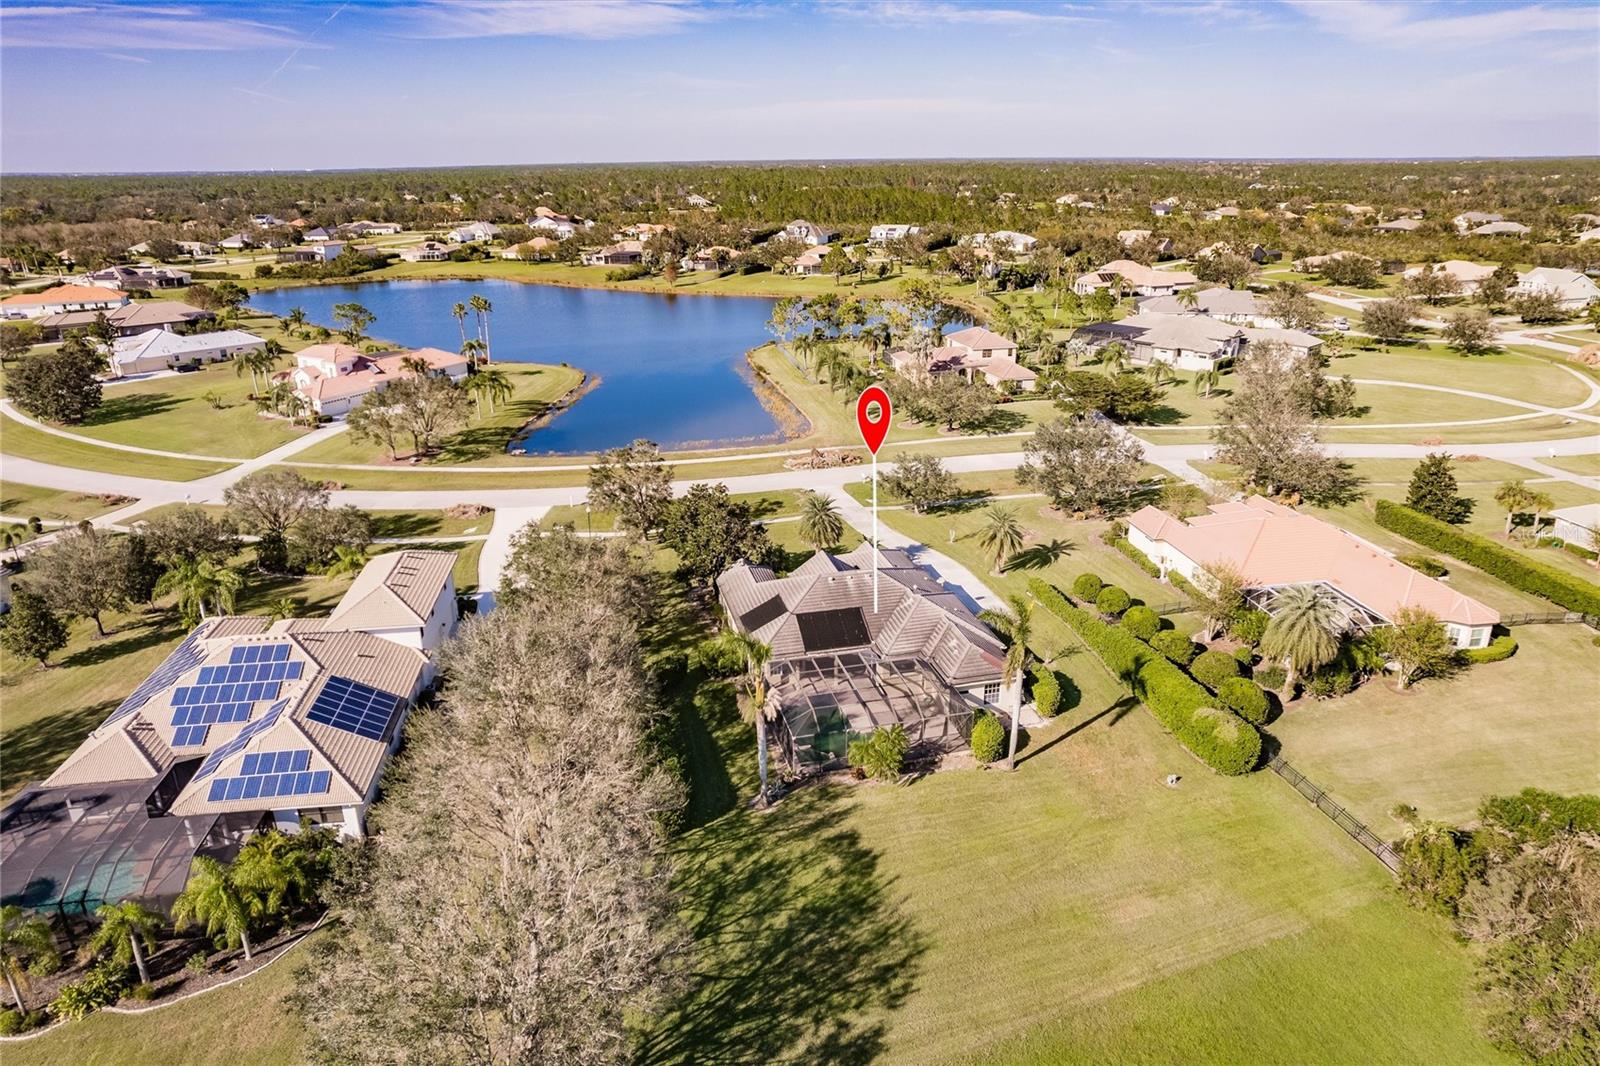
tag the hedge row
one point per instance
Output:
(1221, 740)
(1512, 567)
(1143, 561)
(1499, 648)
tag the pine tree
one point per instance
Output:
(1433, 490)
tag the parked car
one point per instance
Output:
(1339, 322)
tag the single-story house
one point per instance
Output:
(128, 319)
(1275, 547)
(694, 199)
(316, 235)
(533, 248)
(472, 232)
(246, 725)
(1468, 219)
(642, 231)
(128, 279)
(716, 257)
(1578, 525)
(159, 349)
(1188, 342)
(1502, 229)
(1131, 237)
(1162, 209)
(1399, 225)
(809, 232)
(885, 232)
(325, 252)
(428, 252)
(266, 221)
(334, 378)
(841, 669)
(1576, 291)
(60, 299)
(366, 228)
(1008, 240)
(1588, 235)
(623, 253)
(1137, 278)
(1238, 306)
(1217, 214)
(236, 243)
(1468, 276)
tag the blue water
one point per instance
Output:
(671, 368)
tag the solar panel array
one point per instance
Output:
(267, 786)
(275, 762)
(274, 671)
(240, 692)
(246, 735)
(259, 653)
(355, 708)
(183, 658)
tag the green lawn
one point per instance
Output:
(1499, 727)
(172, 414)
(26, 442)
(1588, 465)
(1398, 471)
(33, 501)
(779, 503)
(484, 439)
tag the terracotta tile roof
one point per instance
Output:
(65, 294)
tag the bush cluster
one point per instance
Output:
(988, 737)
(1046, 691)
(1142, 622)
(718, 658)
(1220, 739)
(1245, 699)
(1112, 601)
(13, 1021)
(1245, 654)
(880, 755)
(1330, 681)
(1250, 626)
(1425, 564)
(1499, 648)
(1536, 815)
(1175, 646)
(1181, 583)
(1212, 668)
(100, 987)
(1510, 566)
(1271, 677)
(1086, 587)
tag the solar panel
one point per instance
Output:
(183, 658)
(262, 671)
(240, 692)
(841, 628)
(269, 786)
(275, 762)
(207, 713)
(761, 614)
(190, 736)
(246, 735)
(355, 708)
(259, 653)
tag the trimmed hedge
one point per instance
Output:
(1175, 646)
(1512, 567)
(1140, 559)
(988, 738)
(1220, 739)
(1046, 691)
(1245, 699)
(1426, 564)
(1212, 668)
(1086, 587)
(1142, 622)
(1181, 584)
(1250, 626)
(1112, 600)
(1499, 648)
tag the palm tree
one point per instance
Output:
(1188, 299)
(481, 308)
(12, 538)
(276, 869)
(497, 387)
(271, 352)
(283, 607)
(25, 941)
(820, 524)
(127, 930)
(1002, 536)
(473, 350)
(198, 582)
(214, 897)
(754, 684)
(346, 560)
(1016, 626)
(1114, 357)
(1304, 632)
(295, 321)
(460, 313)
(1206, 380)
(1516, 497)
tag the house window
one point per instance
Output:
(991, 692)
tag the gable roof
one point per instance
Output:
(395, 590)
(66, 294)
(979, 337)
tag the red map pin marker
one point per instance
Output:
(873, 432)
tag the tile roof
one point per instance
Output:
(65, 294)
(1273, 545)
(395, 590)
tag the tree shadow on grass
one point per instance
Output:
(1116, 712)
(801, 950)
(1038, 556)
(998, 421)
(120, 407)
(405, 525)
(147, 632)
(36, 749)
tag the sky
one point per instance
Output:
(152, 86)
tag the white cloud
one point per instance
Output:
(108, 26)
(122, 57)
(921, 13)
(1431, 26)
(592, 20)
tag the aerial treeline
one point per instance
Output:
(518, 907)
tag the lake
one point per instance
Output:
(671, 368)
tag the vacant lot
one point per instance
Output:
(34, 501)
(208, 412)
(1533, 719)
(24, 441)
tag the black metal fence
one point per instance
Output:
(1539, 618)
(1341, 817)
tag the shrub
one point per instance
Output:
(988, 737)
(1425, 564)
(1538, 816)
(1330, 681)
(1221, 740)
(1086, 587)
(1112, 601)
(1510, 566)
(196, 963)
(1142, 622)
(1143, 561)
(10, 1022)
(1271, 677)
(1046, 691)
(144, 993)
(1175, 646)
(1499, 648)
(718, 658)
(1212, 668)
(98, 988)
(1245, 699)
(1250, 626)
(880, 755)
(1580, 551)
(1245, 655)
(1181, 584)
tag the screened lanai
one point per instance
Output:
(825, 699)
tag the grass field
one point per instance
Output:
(1588, 465)
(1533, 719)
(26, 442)
(33, 501)
(172, 414)
(779, 503)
